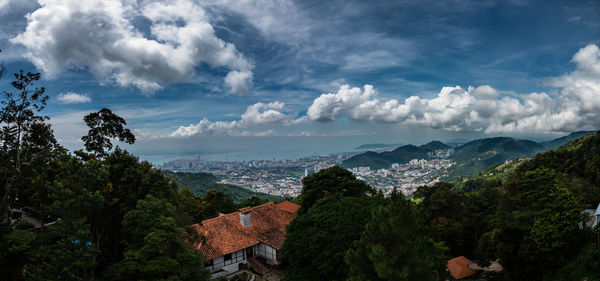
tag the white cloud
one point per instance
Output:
(240, 82)
(3, 3)
(261, 113)
(99, 35)
(255, 115)
(481, 109)
(329, 106)
(70, 98)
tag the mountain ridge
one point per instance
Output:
(470, 157)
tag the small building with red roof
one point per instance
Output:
(459, 268)
(231, 239)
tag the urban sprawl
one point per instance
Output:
(284, 177)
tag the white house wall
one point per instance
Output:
(267, 252)
(229, 266)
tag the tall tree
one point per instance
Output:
(331, 181)
(25, 137)
(394, 246)
(105, 125)
(317, 241)
(536, 224)
(444, 211)
(156, 247)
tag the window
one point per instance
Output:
(234, 257)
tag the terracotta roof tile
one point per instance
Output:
(225, 234)
(288, 206)
(459, 267)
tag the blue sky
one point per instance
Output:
(243, 79)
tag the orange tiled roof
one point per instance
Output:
(288, 206)
(459, 267)
(224, 234)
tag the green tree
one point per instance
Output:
(331, 181)
(105, 125)
(155, 247)
(252, 201)
(394, 246)
(317, 241)
(556, 229)
(190, 204)
(444, 211)
(16, 247)
(215, 202)
(536, 224)
(25, 137)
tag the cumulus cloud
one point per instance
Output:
(70, 98)
(329, 106)
(255, 115)
(100, 36)
(480, 109)
(240, 82)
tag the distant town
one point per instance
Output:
(284, 177)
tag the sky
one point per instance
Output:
(239, 79)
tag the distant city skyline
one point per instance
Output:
(234, 80)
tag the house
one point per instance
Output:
(234, 240)
(459, 268)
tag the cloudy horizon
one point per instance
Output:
(289, 78)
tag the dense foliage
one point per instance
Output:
(395, 246)
(200, 183)
(341, 229)
(335, 182)
(118, 218)
(318, 240)
(526, 213)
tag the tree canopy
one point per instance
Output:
(331, 181)
(105, 125)
(317, 241)
(395, 246)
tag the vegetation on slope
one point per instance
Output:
(524, 213)
(200, 183)
(475, 156)
(339, 216)
(401, 154)
(470, 158)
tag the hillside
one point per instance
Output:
(475, 156)
(579, 161)
(470, 158)
(401, 154)
(199, 183)
(556, 143)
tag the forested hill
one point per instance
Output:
(199, 183)
(578, 163)
(474, 156)
(401, 154)
(470, 158)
